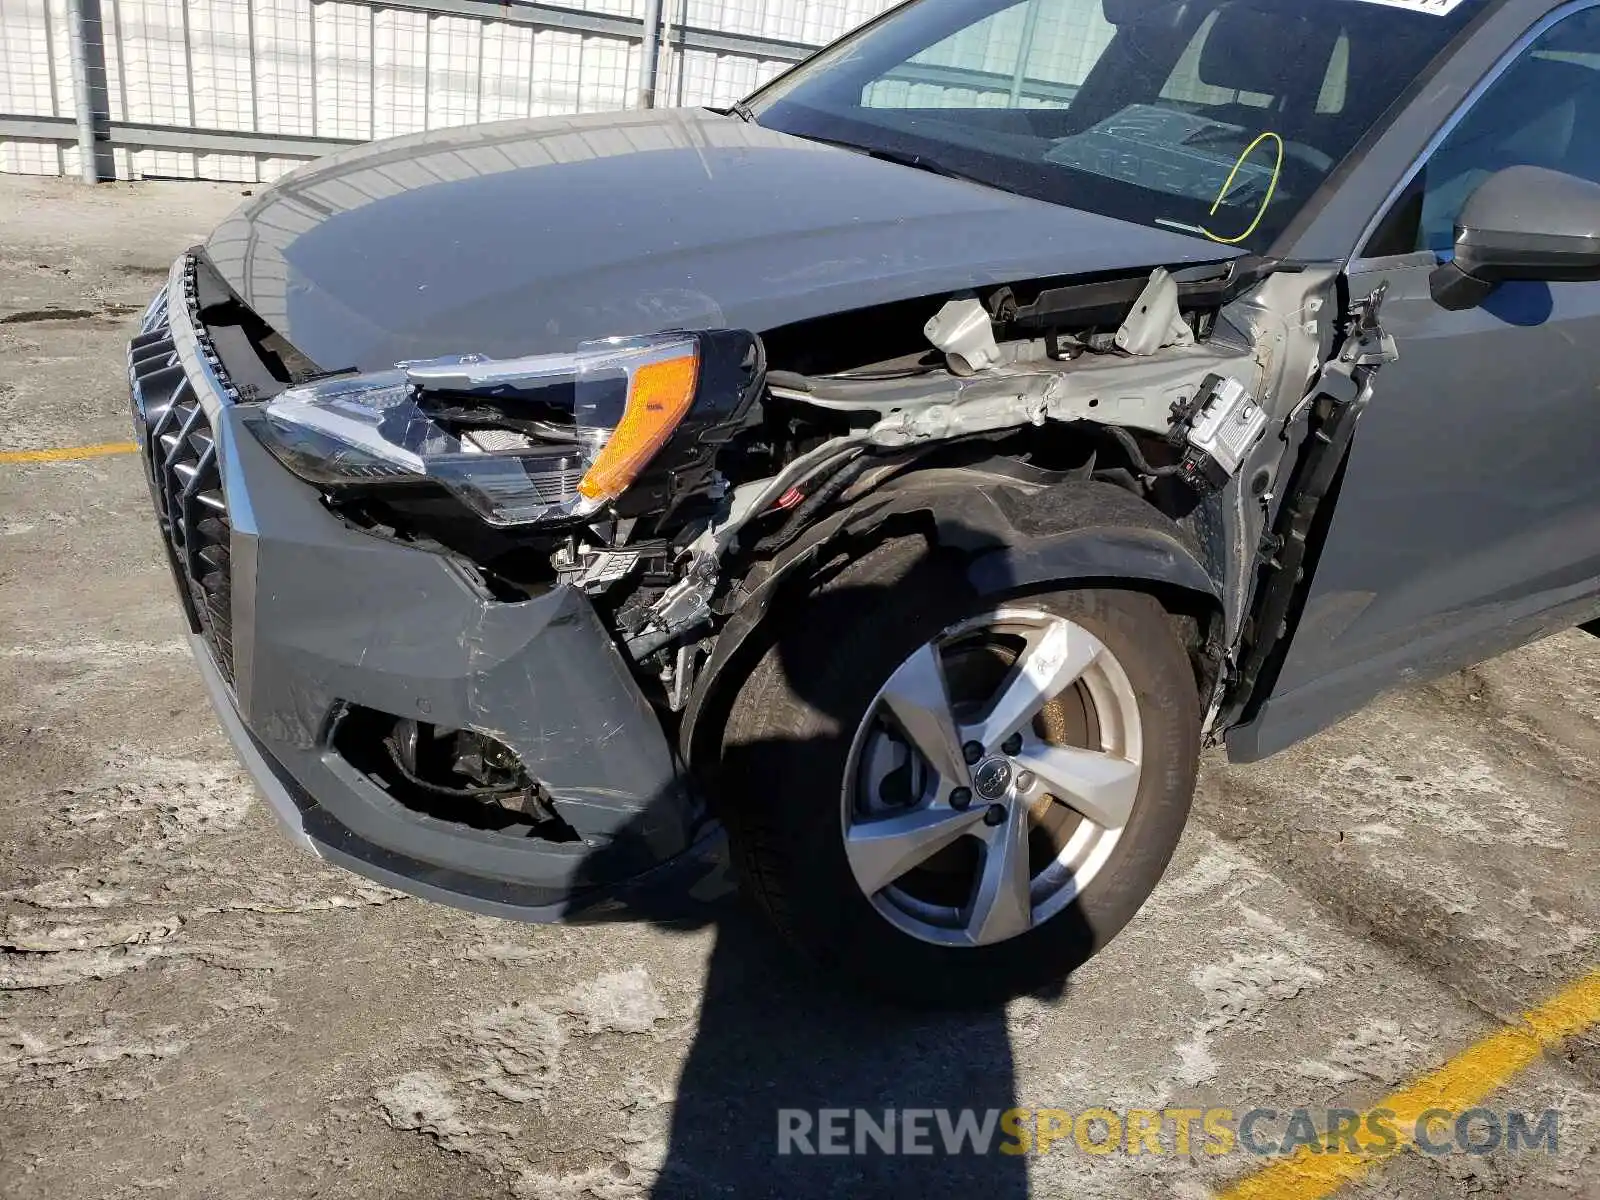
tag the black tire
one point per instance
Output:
(787, 743)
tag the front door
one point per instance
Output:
(1468, 518)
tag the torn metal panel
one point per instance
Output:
(963, 330)
(1155, 321)
(1031, 388)
(1291, 319)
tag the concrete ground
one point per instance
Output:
(190, 1008)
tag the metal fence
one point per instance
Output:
(244, 90)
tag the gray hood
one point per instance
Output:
(526, 236)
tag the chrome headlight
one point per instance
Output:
(483, 428)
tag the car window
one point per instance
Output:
(1031, 55)
(1036, 54)
(1185, 83)
(1543, 110)
(1218, 118)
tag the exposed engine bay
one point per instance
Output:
(671, 478)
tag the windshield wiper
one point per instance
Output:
(904, 158)
(742, 110)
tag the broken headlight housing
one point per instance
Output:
(521, 441)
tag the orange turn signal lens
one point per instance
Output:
(659, 394)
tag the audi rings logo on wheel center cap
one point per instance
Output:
(991, 778)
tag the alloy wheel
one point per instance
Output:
(991, 777)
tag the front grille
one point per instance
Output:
(180, 460)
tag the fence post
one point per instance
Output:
(651, 57)
(87, 42)
(1018, 77)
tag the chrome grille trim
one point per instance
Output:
(174, 424)
(200, 363)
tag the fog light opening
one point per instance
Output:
(457, 775)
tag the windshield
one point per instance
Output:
(1214, 117)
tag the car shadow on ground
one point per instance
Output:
(777, 1033)
(773, 1037)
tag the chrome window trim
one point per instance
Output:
(1533, 33)
(1411, 259)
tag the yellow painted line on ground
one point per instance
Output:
(1460, 1084)
(67, 453)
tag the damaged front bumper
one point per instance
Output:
(298, 619)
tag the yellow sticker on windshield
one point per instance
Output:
(1272, 186)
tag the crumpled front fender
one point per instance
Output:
(1016, 535)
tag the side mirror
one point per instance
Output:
(1522, 223)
